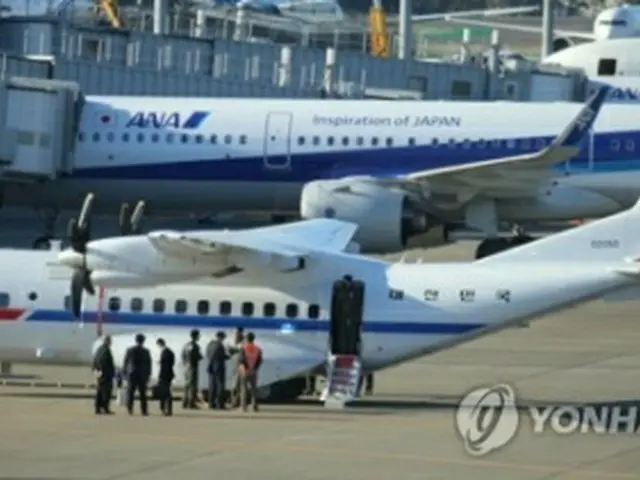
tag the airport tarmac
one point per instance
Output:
(407, 430)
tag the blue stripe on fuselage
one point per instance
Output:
(382, 161)
(253, 323)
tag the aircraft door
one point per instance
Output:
(347, 309)
(277, 140)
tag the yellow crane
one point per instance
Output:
(379, 46)
(110, 9)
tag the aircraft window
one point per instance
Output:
(389, 142)
(155, 137)
(540, 143)
(300, 140)
(136, 304)
(247, 309)
(66, 302)
(114, 304)
(33, 296)
(482, 143)
(125, 137)
(81, 137)
(227, 139)
(202, 307)
(374, 141)
(316, 140)
(180, 306)
(359, 141)
(607, 66)
(615, 145)
(466, 143)
(345, 141)
(158, 305)
(313, 311)
(5, 298)
(199, 138)
(629, 145)
(269, 309)
(169, 137)
(225, 308)
(525, 144)
(511, 143)
(291, 311)
(495, 143)
(329, 141)
(434, 142)
(214, 139)
(243, 139)
(140, 137)
(452, 142)
(184, 138)
(96, 137)
(412, 141)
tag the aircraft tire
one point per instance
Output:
(491, 246)
(42, 243)
(285, 391)
(520, 240)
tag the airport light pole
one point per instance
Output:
(548, 13)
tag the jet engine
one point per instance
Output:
(386, 217)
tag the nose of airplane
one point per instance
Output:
(70, 258)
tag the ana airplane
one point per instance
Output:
(398, 312)
(394, 168)
(622, 21)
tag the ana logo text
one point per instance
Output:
(172, 120)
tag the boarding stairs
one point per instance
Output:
(343, 377)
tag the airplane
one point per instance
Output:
(399, 311)
(622, 21)
(397, 169)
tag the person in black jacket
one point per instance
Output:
(104, 369)
(217, 372)
(165, 377)
(137, 368)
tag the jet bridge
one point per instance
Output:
(39, 122)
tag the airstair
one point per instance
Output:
(343, 376)
(343, 360)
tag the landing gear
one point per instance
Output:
(42, 243)
(491, 246)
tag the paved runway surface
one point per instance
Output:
(405, 431)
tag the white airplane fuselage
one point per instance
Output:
(204, 155)
(409, 310)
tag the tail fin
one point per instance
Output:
(612, 239)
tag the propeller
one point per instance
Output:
(79, 232)
(130, 224)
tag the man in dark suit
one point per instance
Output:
(217, 372)
(137, 368)
(104, 369)
(165, 377)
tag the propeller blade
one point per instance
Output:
(76, 292)
(136, 216)
(86, 209)
(123, 220)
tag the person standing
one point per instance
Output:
(217, 372)
(104, 369)
(191, 358)
(248, 365)
(137, 364)
(165, 377)
(233, 350)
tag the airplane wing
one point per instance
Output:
(521, 28)
(289, 243)
(473, 13)
(513, 174)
